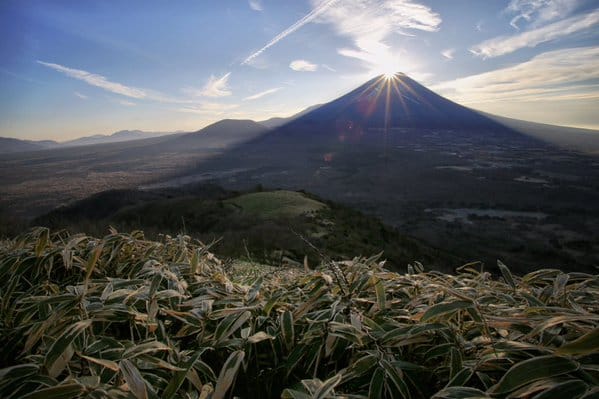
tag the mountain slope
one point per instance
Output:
(210, 140)
(221, 134)
(117, 137)
(275, 122)
(12, 145)
(583, 140)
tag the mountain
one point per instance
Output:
(11, 145)
(217, 136)
(394, 102)
(277, 121)
(424, 164)
(117, 137)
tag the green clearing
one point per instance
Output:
(126, 317)
(276, 204)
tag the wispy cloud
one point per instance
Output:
(448, 53)
(551, 76)
(328, 68)
(303, 66)
(215, 87)
(369, 22)
(255, 5)
(507, 44)
(320, 8)
(127, 103)
(208, 108)
(97, 80)
(81, 96)
(539, 11)
(262, 94)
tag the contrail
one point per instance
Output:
(304, 20)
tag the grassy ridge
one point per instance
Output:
(264, 226)
(276, 204)
(126, 317)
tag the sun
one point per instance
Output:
(388, 66)
(389, 74)
(389, 63)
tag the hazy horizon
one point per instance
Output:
(76, 69)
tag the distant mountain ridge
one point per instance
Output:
(12, 145)
(216, 136)
(122, 135)
(277, 121)
(383, 102)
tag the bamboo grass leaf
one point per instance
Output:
(531, 370)
(572, 389)
(230, 325)
(445, 308)
(109, 364)
(377, 384)
(179, 377)
(228, 374)
(287, 328)
(460, 393)
(506, 273)
(585, 345)
(395, 376)
(328, 386)
(60, 352)
(63, 391)
(259, 337)
(134, 380)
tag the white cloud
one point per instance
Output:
(448, 53)
(81, 96)
(127, 103)
(376, 19)
(507, 44)
(369, 22)
(255, 5)
(539, 11)
(328, 68)
(551, 76)
(321, 7)
(215, 87)
(262, 94)
(303, 66)
(208, 108)
(97, 80)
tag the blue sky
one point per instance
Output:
(75, 68)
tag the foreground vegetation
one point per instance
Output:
(126, 317)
